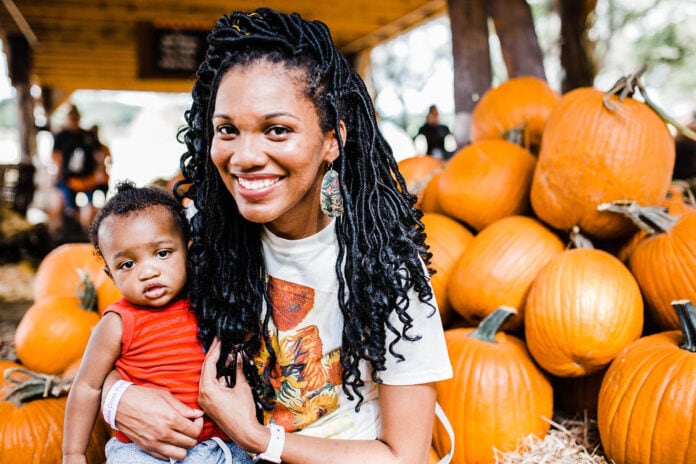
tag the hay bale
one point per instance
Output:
(569, 441)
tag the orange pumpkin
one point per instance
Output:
(520, 103)
(498, 267)
(53, 333)
(647, 403)
(447, 240)
(593, 154)
(430, 201)
(583, 308)
(486, 181)
(62, 271)
(418, 171)
(497, 397)
(31, 429)
(662, 259)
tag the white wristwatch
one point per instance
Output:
(275, 446)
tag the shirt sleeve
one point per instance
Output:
(426, 359)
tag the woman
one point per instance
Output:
(301, 210)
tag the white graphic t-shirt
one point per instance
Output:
(306, 332)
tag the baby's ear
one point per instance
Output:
(188, 245)
(107, 271)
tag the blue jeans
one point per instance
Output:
(206, 452)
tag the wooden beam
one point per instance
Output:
(471, 58)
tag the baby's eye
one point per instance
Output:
(163, 253)
(126, 265)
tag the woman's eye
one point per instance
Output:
(278, 131)
(226, 129)
(163, 253)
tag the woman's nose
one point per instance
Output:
(248, 152)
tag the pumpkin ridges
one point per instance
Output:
(498, 267)
(569, 334)
(519, 100)
(620, 396)
(591, 155)
(486, 181)
(493, 376)
(52, 333)
(447, 239)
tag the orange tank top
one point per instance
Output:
(160, 349)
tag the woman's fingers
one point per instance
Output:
(157, 422)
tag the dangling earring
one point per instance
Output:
(331, 199)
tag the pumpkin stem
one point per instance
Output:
(578, 240)
(626, 86)
(87, 293)
(651, 219)
(681, 188)
(490, 325)
(36, 386)
(519, 135)
(686, 311)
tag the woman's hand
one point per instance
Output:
(232, 409)
(157, 422)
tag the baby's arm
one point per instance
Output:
(103, 348)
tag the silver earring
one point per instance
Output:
(331, 199)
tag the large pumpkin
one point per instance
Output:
(52, 333)
(447, 240)
(499, 266)
(486, 181)
(497, 397)
(662, 259)
(520, 103)
(418, 171)
(31, 428)
(583, 308)
(647, 405)
(593, 154)
(61, 273)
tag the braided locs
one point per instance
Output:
(380, 235)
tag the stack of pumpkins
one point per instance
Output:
(564, 274)
(71, 290)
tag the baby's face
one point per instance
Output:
(145, 255)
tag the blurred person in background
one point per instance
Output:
(79, 167)
(436, 136)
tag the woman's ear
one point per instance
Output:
(334, 152)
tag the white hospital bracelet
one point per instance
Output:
(111, 402)
(275, 446)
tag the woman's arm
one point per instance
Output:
(407, 414)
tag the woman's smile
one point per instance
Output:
(269, 149)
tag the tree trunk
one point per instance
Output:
(576, 49)
(471, 59)
(514, 26)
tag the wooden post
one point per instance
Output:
(471, 59)
(514, 26)
(579, 69)
(19, 59)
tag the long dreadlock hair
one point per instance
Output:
(380, 235)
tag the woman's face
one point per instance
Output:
(269, 148)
